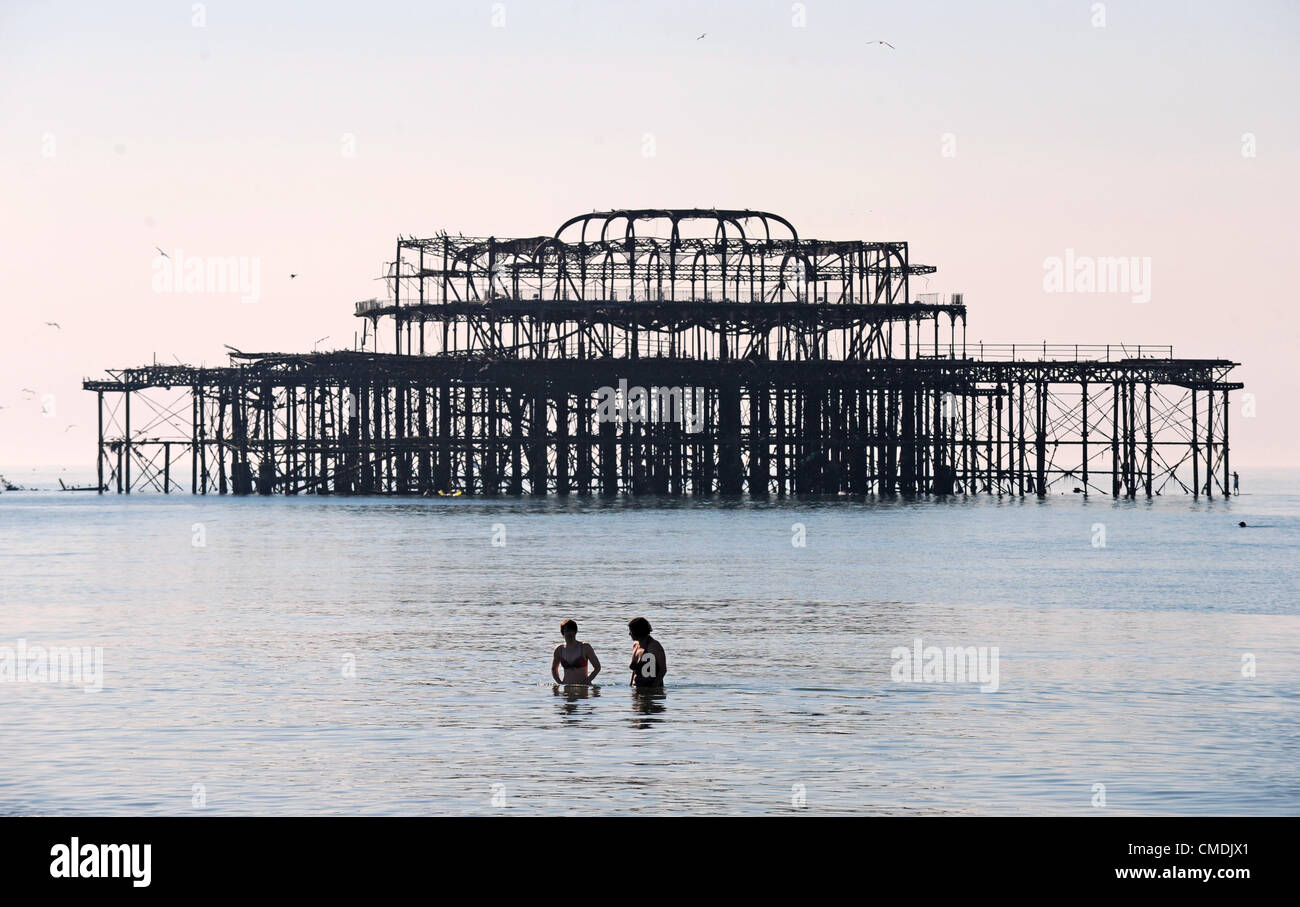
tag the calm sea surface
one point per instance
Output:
(383, 656)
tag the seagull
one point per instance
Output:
(162, 253)
(702, 34)
(69, 428)
(54, 324)
(886, 43)
(28, 391)
(292, 276)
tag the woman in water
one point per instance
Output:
(574, 657)
(649, 663)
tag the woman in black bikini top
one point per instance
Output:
(649, 663)
(574, 657)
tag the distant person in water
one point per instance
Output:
(574, 657)
(1236, 487)
(649, 663)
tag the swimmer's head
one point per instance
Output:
(638, 628)
(568, 628)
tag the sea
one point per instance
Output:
(189, 655)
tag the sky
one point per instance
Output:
(303, 138)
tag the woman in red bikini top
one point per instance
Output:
(574, 657)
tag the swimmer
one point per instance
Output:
(574, 657)
(649, 663)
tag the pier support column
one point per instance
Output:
(366, 478)
(757, 480)
(729, 461)
(472, 395)
(490, 467)
(537, 445)
(1196, 452)
(584, 443)
(425, 477)
(126, 443)
(1085, 438)
(99, 448)
(561, 442)
(1114, 446)
(1150, 445)
(442, 470)
(194, 441)
(1020, 440)
(1209, 445)
(1227, 488)
(1040, 441)
(608, 458)
(402, 452)
(908, 452)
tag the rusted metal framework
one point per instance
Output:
(669, 352)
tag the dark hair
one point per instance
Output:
(639, 626)
(568, 626)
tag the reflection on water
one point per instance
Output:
(648, 703)
(382, 656)
(572, 694)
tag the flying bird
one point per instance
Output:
(292, 276)
(162, 253)
(54, 324)
(28, 391)
(702, 34)
(886, 43)
(69, 428)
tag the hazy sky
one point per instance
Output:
(305, 137)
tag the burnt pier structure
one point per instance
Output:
(678, 352)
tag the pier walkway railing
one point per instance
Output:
(1045, 352)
